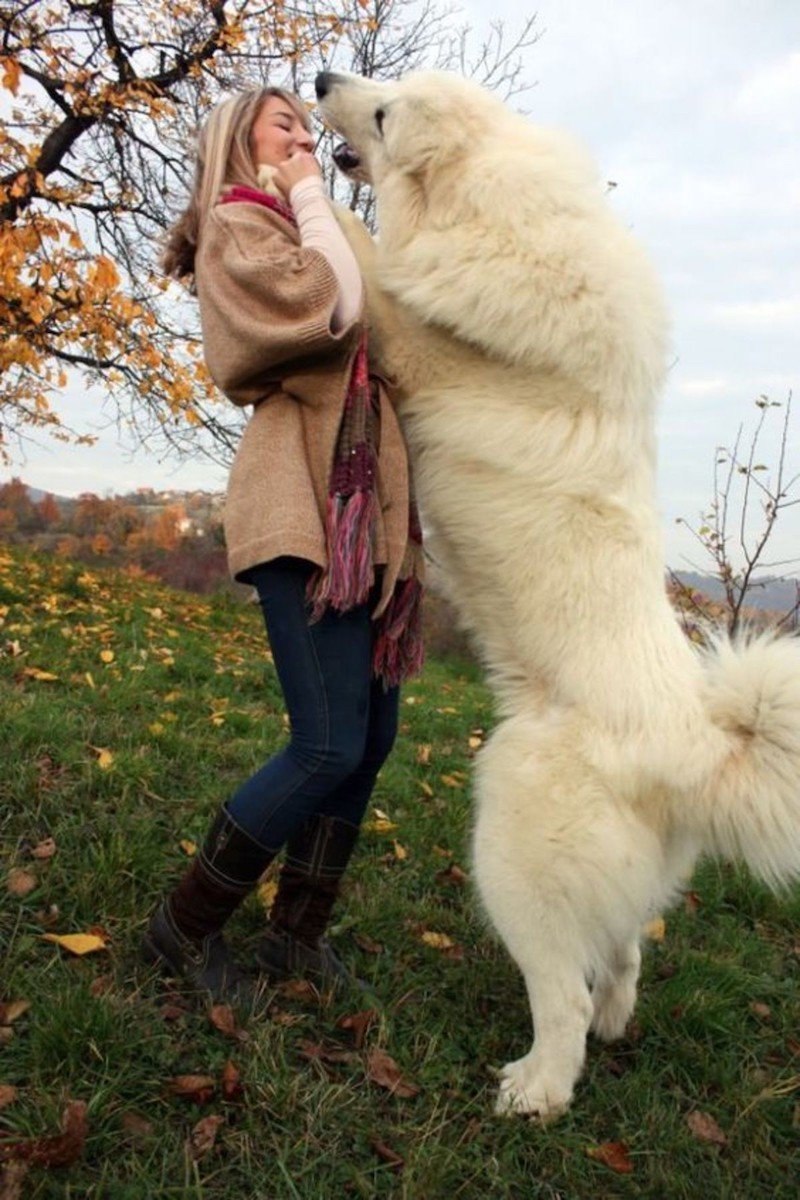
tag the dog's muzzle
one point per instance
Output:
(346, 158)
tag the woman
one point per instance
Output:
(318, 519)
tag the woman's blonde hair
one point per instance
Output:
(224, 156)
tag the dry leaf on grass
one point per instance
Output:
(20, 883)
(424, 754)
(329, 1054)
(759, 1009)
(387, 1155)
(231, 1082)
(706, 1129)
(367, 944)
(196, 1088)
(384, 1071)
(8, 1094)
(655, 930)
(13, 1010)
(222, 1018)
(359, 1023)
(613, 1155)
(76, 943)
(135, 1125)
(452, 874)
(12, 1177)
(203, 1136)
(60, 1150)
(45, 849)
(436, 941)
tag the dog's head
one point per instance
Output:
(424, 121)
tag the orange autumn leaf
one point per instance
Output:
(384, 1071)
(613, 1155)
(76, 943)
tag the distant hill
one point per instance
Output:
(771, 595)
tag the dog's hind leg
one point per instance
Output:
(614, 992)
(566, 874)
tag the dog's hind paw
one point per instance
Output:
(526, 1090)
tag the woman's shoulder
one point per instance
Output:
(246, 216)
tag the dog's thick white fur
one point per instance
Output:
(527, 333)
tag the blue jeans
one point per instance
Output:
(343, 722)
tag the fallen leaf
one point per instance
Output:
(135, 1125)
(475, 742)
(298, 989)
(13, 1010)
(203, 1136)
(367, 944)
(384, 1071)
(691, 902)
(222, 1018)
(45, 849)
(188, 847)
(107, 656)
(231, 1082)
(450, 781)
(105, 759)
(613, 1155)
(59, 1150)
(267, 891)
(329, 1054)
(12, 1177)
(706, 1129)
(400, 852)
(424, 754)
(8, 1094)
(20, 883)
(452, 874)
(359, 1023)
(39, 675)
(196, 1088)
(655, 930)
(388, 1155)
(102, 985)
(76, 943)
(426, 787)
(758, 1009)
(379, 825)
(437, 941)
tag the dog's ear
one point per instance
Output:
(421, 134)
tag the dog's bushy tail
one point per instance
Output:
(750, 804)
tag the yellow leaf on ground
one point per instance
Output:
(475, 743)
(267, 891)
(188, 847)
(400, 852)
(450, 781)
(426, 787)
(381, 825)
(89, 679)
(107, 656)
(437, 941)
(105, 759)
(76, 943)
(39, 675)
(424, 754)
(655, 930)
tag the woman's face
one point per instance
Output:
(278, 133)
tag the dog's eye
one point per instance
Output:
(379, 115)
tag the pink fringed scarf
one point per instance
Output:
(351, 511)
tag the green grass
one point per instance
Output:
(187, 707)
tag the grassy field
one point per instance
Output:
(128, 712)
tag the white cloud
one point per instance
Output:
(748, 315)
(772, 92)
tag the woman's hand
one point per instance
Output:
(300, 166)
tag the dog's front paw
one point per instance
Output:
(526, 1089)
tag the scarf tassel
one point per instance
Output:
(349, 576)
(398, 651)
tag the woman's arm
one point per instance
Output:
(319, 230)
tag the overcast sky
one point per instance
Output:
(693, 110)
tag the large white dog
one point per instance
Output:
(527, 332)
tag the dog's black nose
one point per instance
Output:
(322, 84)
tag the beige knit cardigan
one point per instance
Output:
(265, 308)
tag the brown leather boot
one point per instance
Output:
(308, 885)
(184, 935)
